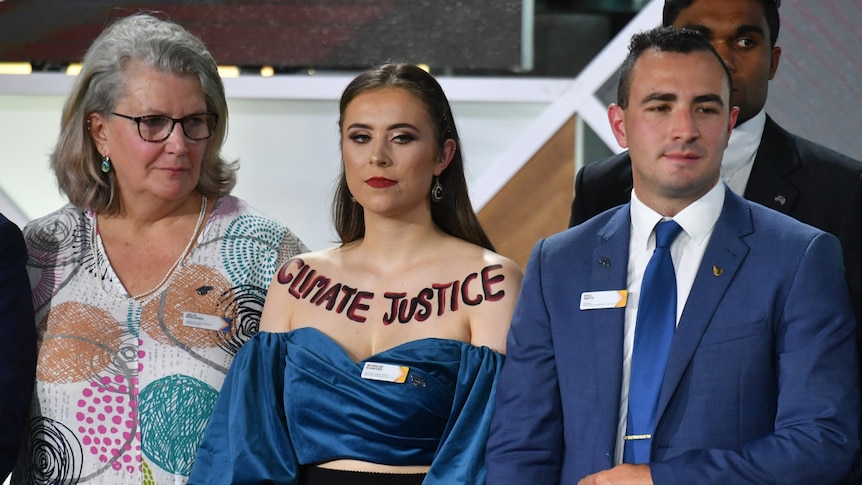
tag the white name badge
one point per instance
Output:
(595, 300)
(206, 322)
(376, 371)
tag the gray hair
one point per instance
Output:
(165, 46)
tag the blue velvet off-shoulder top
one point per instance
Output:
(297, 398)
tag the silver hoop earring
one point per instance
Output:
(106, 164)
(437, 191)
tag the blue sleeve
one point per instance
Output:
(816, 426)
(18, 345)
(526, 440)
(247, 440)
(460, 457)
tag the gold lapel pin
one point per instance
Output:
(717, 271)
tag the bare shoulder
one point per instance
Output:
(473, 255)
(280, 306)
(508, 267)
(462, 255)
(499, 280)
(326, 256)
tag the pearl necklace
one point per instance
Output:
(149, 295)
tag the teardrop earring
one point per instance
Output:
(437, 191)
(106, 164)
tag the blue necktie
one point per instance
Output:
(656, 323)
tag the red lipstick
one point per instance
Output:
(380, 182)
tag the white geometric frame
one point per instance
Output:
(580, 99)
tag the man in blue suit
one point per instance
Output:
(758, 384)
(764, 162)
(17, 344)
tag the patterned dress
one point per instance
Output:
(124, 390)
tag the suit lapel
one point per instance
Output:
(776, 159)
(610, 257)
(609, 269)
(721, 261)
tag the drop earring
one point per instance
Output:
(106, 164)
(437, 191)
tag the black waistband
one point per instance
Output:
(313, 475)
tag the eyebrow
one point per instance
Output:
(666, 97)
(750, 29)
(741, 30)
(396, 126)
(658, 97)
(709, 98)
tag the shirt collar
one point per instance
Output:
(696, 220)
(743, 143)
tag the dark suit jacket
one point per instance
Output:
(17, 344)
(755, 389)
(794, 176)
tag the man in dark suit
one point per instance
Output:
(17, 344)
(763, 162)
(751, 384)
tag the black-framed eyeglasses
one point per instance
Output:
(156, 128)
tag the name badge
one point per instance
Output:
(595, 300)
(206, 322)
(376, 371)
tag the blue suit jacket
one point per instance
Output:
(17, 344)
(794, 176)
(760, 381)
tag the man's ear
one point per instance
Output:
(773, 63)
(734, 113)
(616, 116)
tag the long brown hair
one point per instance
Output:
(454, 214)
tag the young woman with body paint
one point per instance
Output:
(377, 359)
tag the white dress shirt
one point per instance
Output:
(740, 152)
(697, 222)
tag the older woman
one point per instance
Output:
(150, 280)
(379, 357)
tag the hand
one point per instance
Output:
(623, 474)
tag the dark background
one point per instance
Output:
(288, 35)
